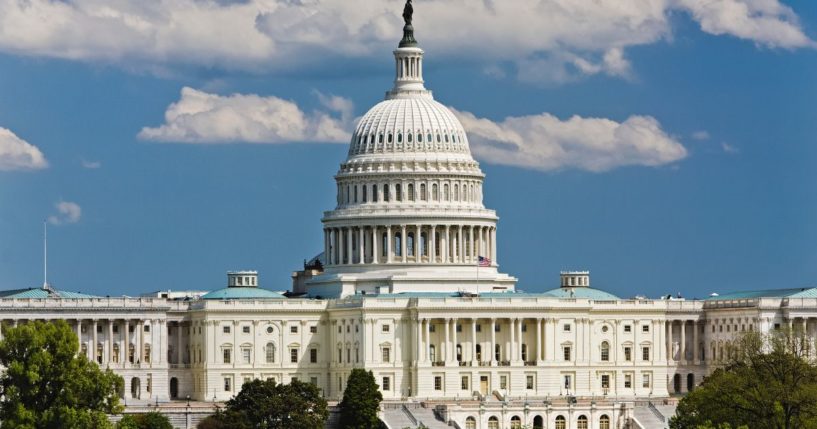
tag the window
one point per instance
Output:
(386, 386)
(479, 352)
(605, 381)
(568, 382)
(605, 351)
(247, 353)
(374, 187)
(628, 354)
(529, 382)
(628, 328)
(227, 354)
(503, 382)
(493, 422)
(225, 329)
(293, 329)
(115, 329)
(432, 353)
(497, 328)
(227, 384)
(628, 381)
(313, 381)
(423, 192)
(645, 353)
(313, 355)
(479, 328)
(560, 422)
(438, 382)
(645, 328)
(432, 328)
(386, 354)
(386, 191)
(245, 329)
(270, 351)
(410, 190)
(464, 384)
(516, 422)
(604, 422)
(566, 352)
(524, 352)
(293, 355)
(385, 328)
(581, 423)
(147, 328)
(645, 381)
(398, 192)
(497, 352)
(470, 423)
(313, 329)
(566, 327)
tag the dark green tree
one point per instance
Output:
(767, 383)
(267, 405)
(151, 420)
(361, 401)
(46, 385)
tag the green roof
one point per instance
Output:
(581, 292)
(237, 292)
(803, 292)
(40, 293)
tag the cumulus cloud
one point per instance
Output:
(701, 135)
(728, 148)
(584, 37)
(201, 117)
(67, 212)
(91, 165)
(18, 154)
(545, 142)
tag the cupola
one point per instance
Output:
(242, 278)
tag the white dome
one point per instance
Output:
(409, 125)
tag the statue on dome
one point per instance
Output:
(408, 12)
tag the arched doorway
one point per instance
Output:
(516, 422)
(677, 383)
(690, 382)
(174, 388)
(135, 388)
(493, 422)
(538, 422)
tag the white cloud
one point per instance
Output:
(18, 154)
(91, 165)
(701, 135)
(67, 212)
(583, 36)
(728, 148)
(545, 142)
(201, 117)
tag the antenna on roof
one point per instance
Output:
(47, 287)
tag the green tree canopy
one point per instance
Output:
(767, 384)
(151, 420)
(267, 405)
(361, 401)
(46, 385)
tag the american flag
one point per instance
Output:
(484, 262)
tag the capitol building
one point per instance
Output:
(408, 285)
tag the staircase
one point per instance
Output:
(398, 418)
(649, 417)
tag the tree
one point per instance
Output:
(768, 382)
(151, 420)
(267, 405)
(46, 385)
(361, 401)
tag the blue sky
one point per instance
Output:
(710, 188)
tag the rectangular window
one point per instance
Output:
(313, 329)
(503, 382)
(628, 328)
(459, 328)
(438, 382)
(386, 354)
(497, 328)
(385, 328)
(529, 382)
(605, 381)
(628, 381)
(566, 327)
(645, 328)
(479, 328)
(225, 329)
(432, 328)
(245, 329)
(645, 381)
(313, 381)
(628, 354)
(524, 327)
(293, 355)
(227, 384)
(115, 329)
(293, 329)
(566, 352)
(568, 382)
(464, 384)
(247, 355)
(313, 355)
(147, 328)
(99, 329)
(386, 386)
(645, 353)
(227, 353)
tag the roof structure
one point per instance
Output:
(804, 292)
(40, 293)
(243, 293)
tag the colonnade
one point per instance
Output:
(679, 352)
(385, 244)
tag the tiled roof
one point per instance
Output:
(243, 293)
(803, 292)
(40, 293)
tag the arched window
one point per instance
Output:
(380, 139)
(539, 422)
(581, 423)
(429, 139)
(605, 351)
(423, 244)
(408, 137)
(604, 422)
(456, 192)
(470, 423)
(365, 193)
(348, 194)
(374, 193)
(398, 245)
(516, 422)
(390, 138)
(115, 355)
(356, 199)
(419, 137)
(410, 243)
(410, 189)
(422, 192)
(384, 243)
(399, 138)
(270, 351)
(493, 423)
(434, 193)
(438, 136)
(445, 192)
(398, 192)
(560, 422)
(386, 192)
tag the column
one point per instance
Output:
(361, 248)
(417, 241)
(682, 350)
(471, 257)
(350, 252)
(418, 335)
(447, 355)
(493, 246)
(492, 352)
(460, 245)
(432, 240)
(126, 346)
(454, 342)
(670, 353)
(162, 352)
(110, 341)
(375, 240)
(695, 353)
(539, 339)
(428, 340)
(474, 361)
(479, 242)
(78, 329)
(403, 242)
(512, 351)
(95, 342)
(520, 340)
(341, 247)
(179, 354)
(140, 338)
(389, 245)
(447, 248)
